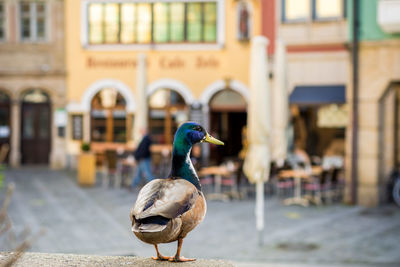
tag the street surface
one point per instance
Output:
(96, 221)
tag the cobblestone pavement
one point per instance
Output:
(96, 221)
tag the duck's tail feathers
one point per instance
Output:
(147, 228)
(150, 224)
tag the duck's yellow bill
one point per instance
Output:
(212, 140)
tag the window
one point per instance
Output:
(155, 22)
(297, 9)
(304, 10)
(111, 23)
(177, 22)
(77, 127)
(326, 9)
(33, 21)
(2, 21)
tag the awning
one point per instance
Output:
(318, 94)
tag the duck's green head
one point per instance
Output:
(186, 136)
(190, 133)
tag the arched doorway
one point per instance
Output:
(36, 127)
(109, 117)
(227, 118)
(167, 109)
(5, 129)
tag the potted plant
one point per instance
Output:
(86, 166)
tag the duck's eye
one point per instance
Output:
(198, 128)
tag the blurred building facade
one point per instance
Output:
(379, 84)
(197, 68)
(318, 35)
(315, 33)
(32, 81)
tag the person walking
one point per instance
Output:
(143, 159)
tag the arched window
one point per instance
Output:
(108, 117)
(167, 110)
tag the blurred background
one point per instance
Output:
(81, 82)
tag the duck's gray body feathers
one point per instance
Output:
(167, 209)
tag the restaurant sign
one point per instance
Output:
(164, 62)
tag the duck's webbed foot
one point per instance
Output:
(181, 259)
(160, 257)
(178, 257)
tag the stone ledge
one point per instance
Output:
(45, 259)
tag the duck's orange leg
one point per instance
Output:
(177, 257)
(159, 256)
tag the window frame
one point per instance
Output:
(33, 16)
(218, 44)
(313, 16)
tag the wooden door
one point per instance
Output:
(35, 135)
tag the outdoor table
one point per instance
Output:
(218, 172)
(298, 175)
(161, 148)
(99, 150)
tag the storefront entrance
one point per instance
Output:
(228, 117)
(320, 130)
(319, 119)
(35, 135)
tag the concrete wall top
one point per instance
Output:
(44, 259)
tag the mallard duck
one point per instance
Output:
(166, 210)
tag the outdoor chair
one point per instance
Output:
(336, 185)
(111, 169)
(229, 183)
(207, 183)
(325, 188)
(315, 187)
(126, 169)
(283, 187)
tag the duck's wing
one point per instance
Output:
(166, 198)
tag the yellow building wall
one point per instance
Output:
(196, 69)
